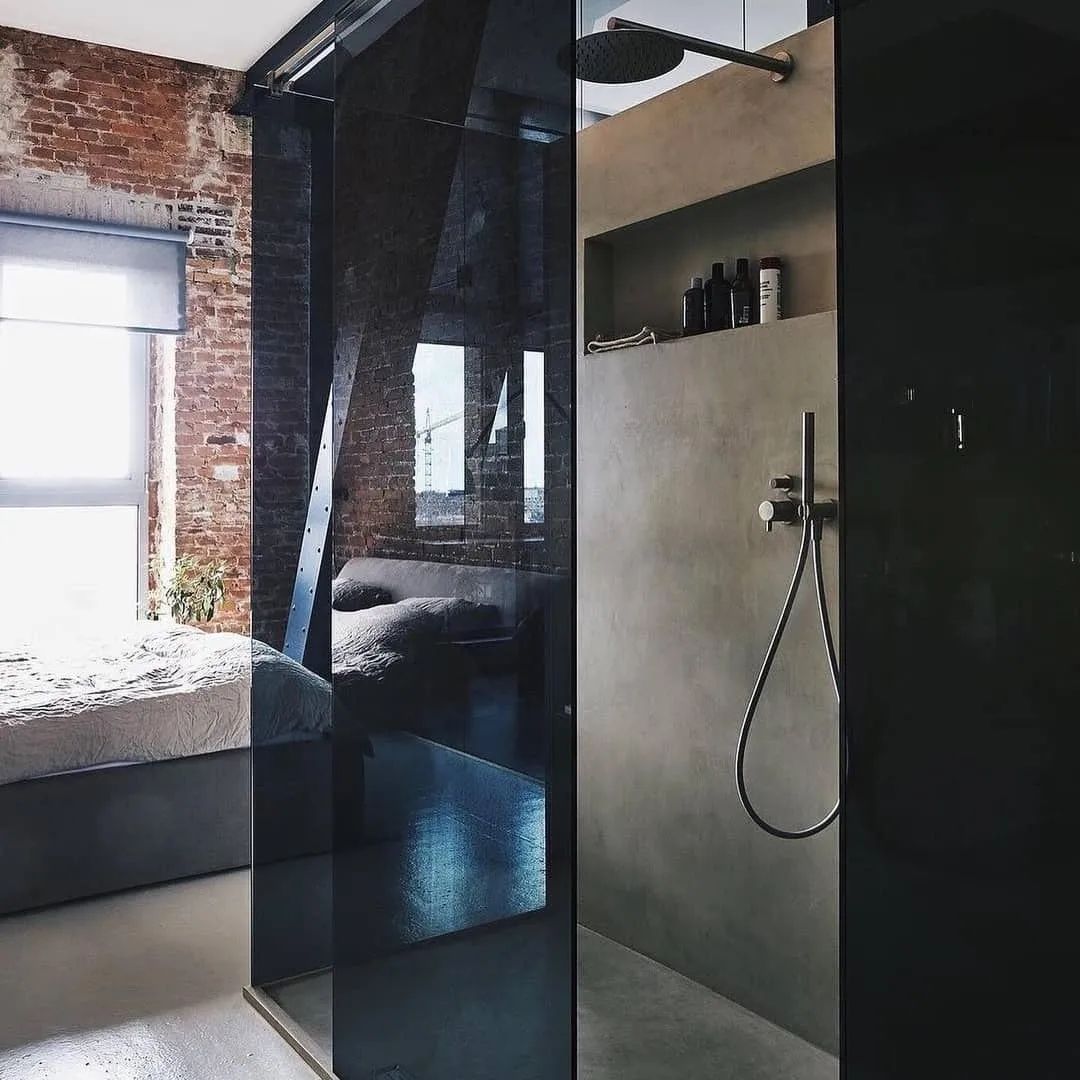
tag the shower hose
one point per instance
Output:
(810, 547)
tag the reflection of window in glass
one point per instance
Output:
(534, 438)
(439, 390)
(500, 428)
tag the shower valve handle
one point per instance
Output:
(779, 512)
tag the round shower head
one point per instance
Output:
(621, 56)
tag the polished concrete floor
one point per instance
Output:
(141, 986)
(145, 986)
(637, 1020)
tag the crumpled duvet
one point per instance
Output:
(154, 693)
(161, 691)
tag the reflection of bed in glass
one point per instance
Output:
(439, 690)
(438, 939)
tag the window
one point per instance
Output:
(439, 382)
(534, 438)
(73, 422)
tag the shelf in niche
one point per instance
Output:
(636, 275)
(728, 342)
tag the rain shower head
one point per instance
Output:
(624, 56)
(629, 52)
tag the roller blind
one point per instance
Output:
(61, 271)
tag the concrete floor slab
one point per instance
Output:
(638, 1020)
(147, 985)
(137, 986)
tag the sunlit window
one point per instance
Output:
(90, 297)
(65, 402)
(72, 463)
(67, 569)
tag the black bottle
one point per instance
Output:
(693, 321)
(717, 300)
(742, 296)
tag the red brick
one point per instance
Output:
(122, 121)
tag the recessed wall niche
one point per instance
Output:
(635, 276)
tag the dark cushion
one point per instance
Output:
(356, 596)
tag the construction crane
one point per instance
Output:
(425, 434)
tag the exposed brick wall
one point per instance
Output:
(101, 133)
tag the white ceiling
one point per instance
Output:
(223, 33)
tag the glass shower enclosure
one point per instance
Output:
(414, 295)
(532, 589)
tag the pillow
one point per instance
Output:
(356, 596)
(458, 617)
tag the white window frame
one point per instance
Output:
(129, 490)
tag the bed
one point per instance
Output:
(130, 760)
(125, 760)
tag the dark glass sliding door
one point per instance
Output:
(452, 542)
(960, 375)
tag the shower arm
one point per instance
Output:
(781, 65)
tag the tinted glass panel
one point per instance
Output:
(291, 700)
(453, 361)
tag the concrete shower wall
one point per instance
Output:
(679, 589)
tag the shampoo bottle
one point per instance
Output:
(694, 308)
(717, 300)
(771, 305)
(742, 298)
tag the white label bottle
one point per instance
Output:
(771, 295)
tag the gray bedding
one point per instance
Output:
(156, 693)
(382, 656)
(371, 642)
(161, 692)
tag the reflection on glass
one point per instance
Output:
(534, 438)
(439, 380)
(499, 432)
(452, 635)
(445, 279)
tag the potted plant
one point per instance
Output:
(195, 589)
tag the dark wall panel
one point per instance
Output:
(960, 234)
